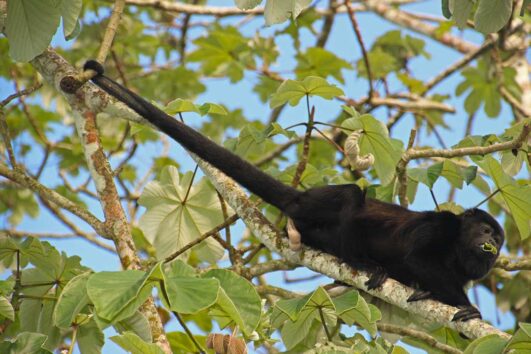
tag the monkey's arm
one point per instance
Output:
(249, 176)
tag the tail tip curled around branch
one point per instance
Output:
(94, 65)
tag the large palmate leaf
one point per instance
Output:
(375, 140)
(178, 213)
(291, 91)
(186, 292)
(237, 301)
(352, 308)
(117, 295)
(304, 314)
(517, 197)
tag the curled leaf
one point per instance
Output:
(226, 344)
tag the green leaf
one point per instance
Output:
(181, 343)
(30, 27)
(277, 11)
(375, 140)
(224, 52)
(382, 63)
(70, 11)
(179, 105)
(352, 308)
(6, 309)
(460, 11)
(117, 295)
(25, 342)
(451, 207)
(135, 345)
(291, 91)
(247, 4)
(452, 173)
(238, 301)
(71, 301)
(303, 314)
(138, 324)
(178, 214)
(8, 248)
(320, 62)
(212, 108)
(90, 338)
(521, 340)
(445, 7)
(427, 176)
(492, 15)
(188, 294)
(490, 344)
(517, 197)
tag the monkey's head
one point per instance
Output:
(480, 241)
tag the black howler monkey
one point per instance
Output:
(435, 252)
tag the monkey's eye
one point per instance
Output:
(487, 230)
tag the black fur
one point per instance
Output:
(435, 252)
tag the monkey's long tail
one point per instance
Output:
(249, 176)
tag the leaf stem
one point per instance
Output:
(327, 331)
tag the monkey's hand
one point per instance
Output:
(419, 294)
(377, 278)
(467, 313)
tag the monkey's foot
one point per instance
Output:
(467, 313)
(419, 294)
(377, 278)
(294, 236)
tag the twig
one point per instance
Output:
(271, 266)
(203, 237)
(511, 264)
(357, 31)
(412, 154)
(189, 333)
(327, 24)
(425, 337)
(301, 166)
(48, 194)
(401, 172)
(489, 44)
(20, 93)
(87, 236)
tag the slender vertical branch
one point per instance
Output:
(357, 31)
(110, 32)
(306, 145)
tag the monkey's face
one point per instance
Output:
(480, 241)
